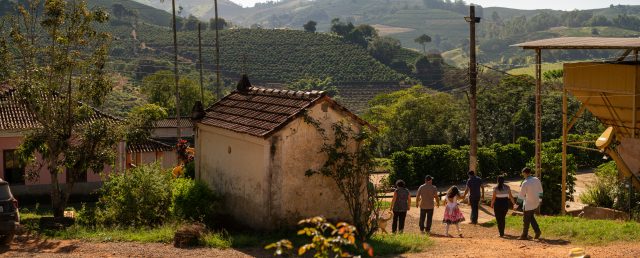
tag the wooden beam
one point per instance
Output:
(538, 113)
(578, 114)
(624, 55)
(565, 130)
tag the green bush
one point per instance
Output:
(193, 200)
(401, 167)
(609, 191)
(511, 159)
(138, 197)
(552, 180)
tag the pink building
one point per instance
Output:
(16, 121)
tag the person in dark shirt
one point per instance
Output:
(473, 189)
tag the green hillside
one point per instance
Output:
(268, 56)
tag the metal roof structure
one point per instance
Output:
(582, 43)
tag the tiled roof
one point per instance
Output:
(172, 122)
(259, 111)
(149, 146)
(15, 116)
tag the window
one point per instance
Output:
(13, 169)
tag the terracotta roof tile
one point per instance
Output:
(149, 146)
(15, 116)
(259, 111)
(172, 122)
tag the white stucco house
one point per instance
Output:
(254, 147)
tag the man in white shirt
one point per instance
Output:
(530, 196)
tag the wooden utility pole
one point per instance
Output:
(473, 80)
(200, 62)
(538, 123)
(175, 66)
(218, 86)
(565, 131)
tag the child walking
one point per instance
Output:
(452, 213)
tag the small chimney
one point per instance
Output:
(244, 84)
(197, 112)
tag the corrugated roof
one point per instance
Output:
(149, 146)
(259, 111)
(582, 43)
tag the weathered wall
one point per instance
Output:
(235, 165)
(297, 149)
(629, 150)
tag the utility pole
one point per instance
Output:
(218, 86)
(200, 61)
(473, 80)
(175, 67)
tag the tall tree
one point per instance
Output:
(423, 40)
(310, 26)
(221, 23)
(59, 59)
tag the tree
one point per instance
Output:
(310, 26)
(308, 84)
(349, 164)
(140, 122)
(191, 24)
(221, 23)
(159, 90)
(423, 40)
(60, 59)
(384, 49)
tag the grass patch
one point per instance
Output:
(160, 234)
(216, 240)
(389, 244)
(581, 230)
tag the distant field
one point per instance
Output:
(531, 69)
(456, 57)
(384, 30)
(602, 31)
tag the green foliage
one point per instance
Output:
(552, 180)
(384, 49)
(160, 90)
(141, 120)
(271, 57)
(609, 191)
(413, 117)
(193, 200)
(138, 197)
(349, 164)
(310, 84)
(58, 76)
(310, 26)
(326, 239)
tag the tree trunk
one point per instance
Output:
(56, 198)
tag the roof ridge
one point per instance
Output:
(287, 93)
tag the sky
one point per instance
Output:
(522, 4)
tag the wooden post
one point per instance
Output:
(564, 149)
(635, 100)
(218, 86)
(538, 124)
(175, 67)
(473, 99)
(200, 61)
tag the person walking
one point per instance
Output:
(452, 213)
(400, 204)
(529, 197)
(426, 196)
(501, 202)
(473, 189)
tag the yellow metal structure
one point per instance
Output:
(610, 92)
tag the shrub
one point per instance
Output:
(193, 200)
(401, 167)
(511, 159)
(552, 180)
(608, 191)
(138, 197)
